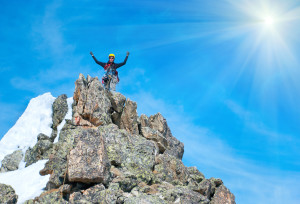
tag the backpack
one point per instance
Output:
(105, 78)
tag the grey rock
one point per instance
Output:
(41, 150)
(91, 106)
(97, 194)
(59, 110)
(175, 147)
(88, 161)
(117, 100)
(144, 121)
(216, 182)
(194, 174)
(158, 122)
(223, 196)
(52, 196)
(129, 118)
(11, 161)
(65, 189)
(145, 199)
(155, 136)
(130, 153)
(57, 164)
(42, 136)
(7, 194)
(205, 188)
(184, 195)
(170, 169)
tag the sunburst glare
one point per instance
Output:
(267, 30)
(269, 20)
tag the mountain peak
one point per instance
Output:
(106, 153)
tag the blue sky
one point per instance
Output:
(224, 73)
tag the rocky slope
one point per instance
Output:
(108, 154)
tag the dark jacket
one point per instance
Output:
(110, 67)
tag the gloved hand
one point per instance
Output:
(91, 53)
(127, 54)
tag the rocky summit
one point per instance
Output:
(108, 154)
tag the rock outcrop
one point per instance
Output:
(108, 154)
(11, 161)
(91, 106)
(7, 194)
(41, 150)
(59, 111)
(88, 161)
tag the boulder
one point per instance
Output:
(41, 150)
(223, 196)
(117, 101)
(194, 174)
(145, 199)
(88, 161)
(155, 136)
(7, 194)
(91, 106)
(97, 194)
(129, 118)
(170, 169)
(184, 195)
(42, 136)
(144, 121)
(59, 110)
(11, 161)
(130, 153)
(51, 196)
(159, 123)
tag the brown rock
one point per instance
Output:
(144, 120)
(223, 196)
(158, 122)
(117, 100)
(129, 117)
(88, 161)
(91, 106)
(156, 136)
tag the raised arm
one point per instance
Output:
(122, 63)
(102, 64)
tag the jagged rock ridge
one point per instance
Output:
(108, 154)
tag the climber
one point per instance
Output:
(111, 78)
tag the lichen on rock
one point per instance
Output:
(11, 161)
(7, 194)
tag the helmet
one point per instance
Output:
(111, 55)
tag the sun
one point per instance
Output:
(269, 20)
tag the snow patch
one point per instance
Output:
(36, 119)
(27, 182)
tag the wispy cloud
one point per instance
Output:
(250, 181)
(48, 39)
(253, 122)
